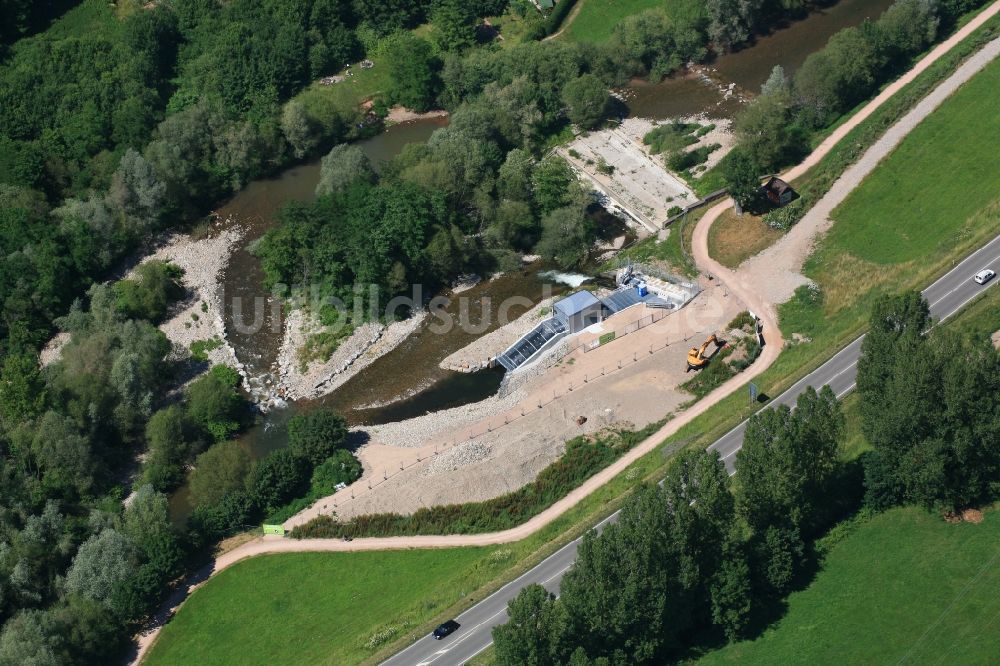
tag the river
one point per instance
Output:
(704, 89)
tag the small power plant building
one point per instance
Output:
(578, 311)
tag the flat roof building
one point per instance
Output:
(578, 311)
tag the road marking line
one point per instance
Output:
(558, 573)
(959, 264)
(846, 390)
(474, 654)
(963, 284)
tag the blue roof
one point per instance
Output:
(575, 303)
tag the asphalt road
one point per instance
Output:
(946, 297)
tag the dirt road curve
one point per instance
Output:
(738, 284)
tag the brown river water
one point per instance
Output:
(788, 45)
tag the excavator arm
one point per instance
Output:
(696, 356)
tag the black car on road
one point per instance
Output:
(446, 629)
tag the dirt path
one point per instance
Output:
(738, 284)
(566, 21)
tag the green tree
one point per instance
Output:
(280, 476)
(514, 225)
(102, 562)
(567, 234)
(138, 192)
(32, 637)
(622, 593)
(788, 458)
(937, 445)
(62, 456)
(552, 184)
(343, 165)
(765, 129)
(146, 519)
(316, 435)
(22, 391)
(172, 440)
(742, 174)
(413, 71)
(514, 179)
(731, 22)
(731, 589)
(454, 24)
(534, 632)
(220, 470)
(213, 402)
(341, 467)
(150, 294)
(895, 330)
(299, 128)
(586, 99)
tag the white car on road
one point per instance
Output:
(984, 276)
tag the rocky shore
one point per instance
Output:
(199, 316)
(368, 342)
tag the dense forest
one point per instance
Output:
(708, 558)
(121, 121)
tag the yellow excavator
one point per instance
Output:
(696, 356)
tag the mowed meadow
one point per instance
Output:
(318, 608)
(903, 587)
(930, 202)
(595, 20)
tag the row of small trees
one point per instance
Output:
(698, 555)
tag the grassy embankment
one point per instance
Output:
(672, 254)
(735, 238)
(905, 259)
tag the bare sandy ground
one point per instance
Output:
(479, 451)
(400, 114)
(199, 315)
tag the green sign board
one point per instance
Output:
(274, 529)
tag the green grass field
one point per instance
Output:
(922, 197)
(934, 199)
(904, 586)
(319, 608)
(596, 19)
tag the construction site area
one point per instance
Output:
(601, 358)
(632, 180)
(604, 359)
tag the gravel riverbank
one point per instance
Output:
(368, 342)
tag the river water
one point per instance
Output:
(408, 381)
(788, 45)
